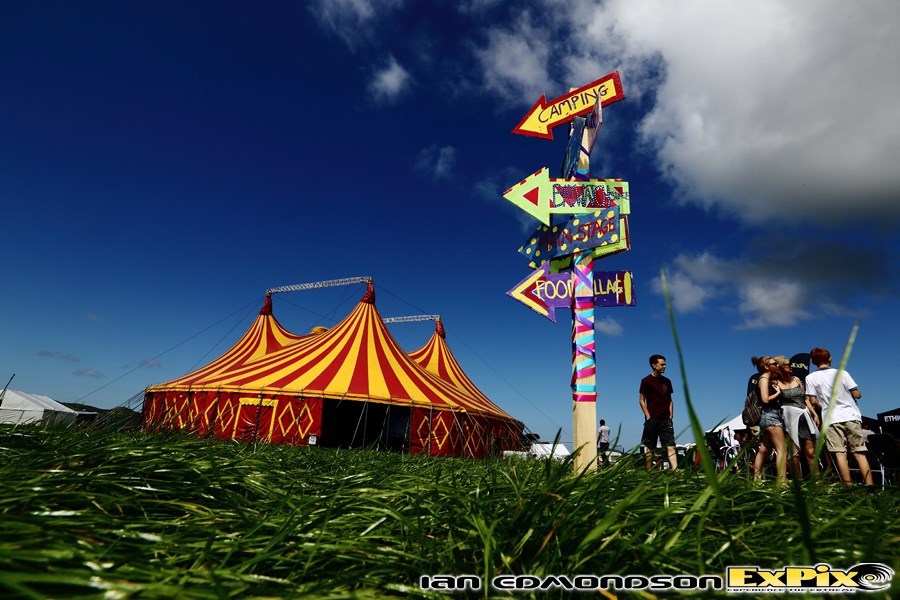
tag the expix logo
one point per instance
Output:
(867, 577)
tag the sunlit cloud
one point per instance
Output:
(390, 82)
(759, 109)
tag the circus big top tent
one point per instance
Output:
(349, 386)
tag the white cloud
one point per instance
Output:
(352, 20)
(773, 303)
(686, 293)
(437, 162)
(764, 108)
(514, 62)
(389, 82)
(609, 326)
(780, 286)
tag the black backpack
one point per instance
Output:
(752, 409)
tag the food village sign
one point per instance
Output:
(598, 228)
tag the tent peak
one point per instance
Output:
(439, 328)
(369, 298)
(267, 306)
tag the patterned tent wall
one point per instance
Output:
(476, 435)
(277, 419)
(279, 387)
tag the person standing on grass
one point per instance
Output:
(801, 423)
(762, 367)
(655, 399)
(602, 441)
(843, 427)
(771, 425)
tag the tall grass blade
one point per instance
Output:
(699, 437)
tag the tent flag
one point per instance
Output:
(274, 386)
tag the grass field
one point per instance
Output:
(93, 513)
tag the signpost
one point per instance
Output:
(540, 120)
(542, 196)
(544, 292)
(584, 232)
(599, 228)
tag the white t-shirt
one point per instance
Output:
(819, 384)
(604, 435)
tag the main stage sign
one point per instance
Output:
(584, 232)
(544, 116)
(542, 196)
(544, 292)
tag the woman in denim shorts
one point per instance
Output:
(771, 424)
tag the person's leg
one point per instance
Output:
(667, 440)
(857, 445)
(863, 461)
(796, 471)
(840, 461)
(809, 450)
(648, 439)
(778, 440)
(762, 454)
(673, 457)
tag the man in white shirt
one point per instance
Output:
(602, 441)
(843, 426)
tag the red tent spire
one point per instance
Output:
(267, 307)
(369, 298)
(439, 328)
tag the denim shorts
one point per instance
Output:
(771, 416)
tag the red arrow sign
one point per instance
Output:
(544, 116)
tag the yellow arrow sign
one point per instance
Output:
(544, 116)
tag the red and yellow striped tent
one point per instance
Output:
(435, 357)
(350, 386)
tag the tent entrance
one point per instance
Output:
(353, 424)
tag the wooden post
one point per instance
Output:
(584, 367)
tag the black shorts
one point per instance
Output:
(657, 428)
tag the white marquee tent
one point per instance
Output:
(22, 407)
(735, 424)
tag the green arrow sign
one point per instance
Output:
(541, 195)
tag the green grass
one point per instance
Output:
(87, 513)
(99, 513)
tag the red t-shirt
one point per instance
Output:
(657, 392)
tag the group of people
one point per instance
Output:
(793, 410)
(792, 413)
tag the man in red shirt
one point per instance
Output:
(655, 398)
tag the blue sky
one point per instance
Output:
(163, 163)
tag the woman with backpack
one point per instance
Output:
(771, 423)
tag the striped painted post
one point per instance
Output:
(584, 365)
